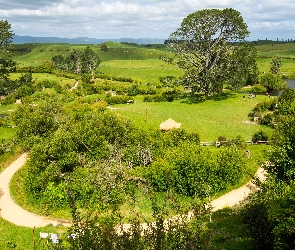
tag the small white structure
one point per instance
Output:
(169, 124)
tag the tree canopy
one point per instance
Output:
(208, 46)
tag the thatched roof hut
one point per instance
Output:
(169, 124)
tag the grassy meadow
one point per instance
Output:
(209, 119)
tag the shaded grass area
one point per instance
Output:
(209, 119)
(228, 231)
(7, 158)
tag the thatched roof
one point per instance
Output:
(169, 124)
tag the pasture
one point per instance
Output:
(210, 119)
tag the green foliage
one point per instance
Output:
(282, 156)
(194, 171)
(258, 88)
(287, 96)
(269, 214)
(55, 194)
(272, 81)
(24, 91)
(286, 102)
(117, 99)
(259, 136)
(267, 119)
(9, 99)
(167, 96)
(6, 145)
(78, 61)
(35, 122)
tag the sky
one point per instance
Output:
(266, 19)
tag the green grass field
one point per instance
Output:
(209, 119)
(146, 71)
(283, 50)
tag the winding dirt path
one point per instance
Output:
(13, 213)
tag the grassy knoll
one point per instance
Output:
(143, 204)
(147, 71)
(209, 119)
(41, 53)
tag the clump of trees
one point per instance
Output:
(78, 61)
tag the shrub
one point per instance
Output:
(117, 99)
(55, 194)
(24, 91)
(258, 88)
(259, 136)
(266, 119)
(222, 140)
(9, 99)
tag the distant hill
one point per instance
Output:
(82, 40)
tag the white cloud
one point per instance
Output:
(136, 18)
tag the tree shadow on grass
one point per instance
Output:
(194, 98)
(228, 230)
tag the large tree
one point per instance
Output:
(7, 64)
(208, 45)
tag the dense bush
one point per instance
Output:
(265, 106)
(259, 136)
(114, 78)
(118, 99)
(258, 88)
(267, 119)
(195, 171)
(164, 97)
